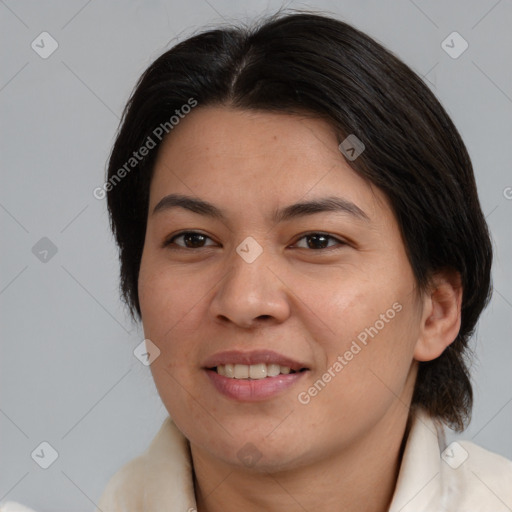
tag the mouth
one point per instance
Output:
(253, 376)
(256, 364)
(253, 371)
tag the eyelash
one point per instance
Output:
(167, 243)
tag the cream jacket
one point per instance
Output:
(433, 478)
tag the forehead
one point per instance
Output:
(257, 158)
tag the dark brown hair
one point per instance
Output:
(304, 62)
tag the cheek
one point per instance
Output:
(373, 328)
(167, 299)
(376, 359)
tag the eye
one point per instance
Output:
(319, 241)
(191, 240)
(197, 240)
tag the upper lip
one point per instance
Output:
(252, 357)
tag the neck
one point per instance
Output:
(359, 478)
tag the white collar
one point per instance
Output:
(162, 477)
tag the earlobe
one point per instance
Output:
(441, 319)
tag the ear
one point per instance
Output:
(440, 322)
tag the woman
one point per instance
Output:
(300, 235)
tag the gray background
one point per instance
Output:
(67, 372)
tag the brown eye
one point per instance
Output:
(190, 240)
(319, 241)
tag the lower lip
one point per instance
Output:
(246, 390)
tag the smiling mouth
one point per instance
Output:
(254, 371)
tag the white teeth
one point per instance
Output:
(229, 370)
(258, 371)
(241, 371)
(273, 370)
(253, 371)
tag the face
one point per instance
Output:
(250, 286)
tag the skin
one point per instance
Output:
(342, 449)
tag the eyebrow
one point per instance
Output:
(292, 211)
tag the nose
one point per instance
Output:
(251, 294)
